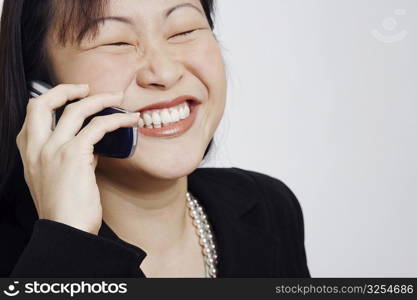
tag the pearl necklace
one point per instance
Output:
(206, 236)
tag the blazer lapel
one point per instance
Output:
(238, 220)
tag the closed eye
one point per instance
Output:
(185, 33)
(117, 44)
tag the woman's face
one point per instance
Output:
(151, 62)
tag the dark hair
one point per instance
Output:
(24, 26)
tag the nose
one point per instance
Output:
(158, 70)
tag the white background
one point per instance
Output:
(319, 98)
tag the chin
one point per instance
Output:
(161, 165)
(171, 163)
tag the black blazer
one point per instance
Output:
(256, 220)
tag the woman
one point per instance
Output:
(67, 211)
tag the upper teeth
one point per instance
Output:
(155, 117)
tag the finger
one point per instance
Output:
(99, 126)
(39, 112)
(75, 114)
(60, 94)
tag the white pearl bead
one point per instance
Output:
(198, 223)
(204, 241)
(203, 230)
(207, 250)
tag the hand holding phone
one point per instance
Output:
(120, 143)
(59, 165)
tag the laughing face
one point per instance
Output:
(164, 56)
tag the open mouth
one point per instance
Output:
(157, 118)
(170, 121)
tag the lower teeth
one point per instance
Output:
(161, 125)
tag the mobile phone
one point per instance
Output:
(120, 143)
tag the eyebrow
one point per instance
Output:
(129, 21)
(171, 10)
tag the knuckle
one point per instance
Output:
(46, 153)
(18, 144)
(98, 121)
(31, 161)
(66, 151)
(36, 105)
(72, 107)
(18, 137)
(29, 172)
(32, 104)
(63, 85)
(63, 89)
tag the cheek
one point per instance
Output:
(105, 72)
(97, 70)
(206, 61)
(207, 64)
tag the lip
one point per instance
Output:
(169, 103)
(173, 129)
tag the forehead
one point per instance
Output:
(146, 8)
(76, 20)
(133, 11)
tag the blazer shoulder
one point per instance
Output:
(275, 190)
(281, 199)
(271, 190)
(250, 180)
(233, 176)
